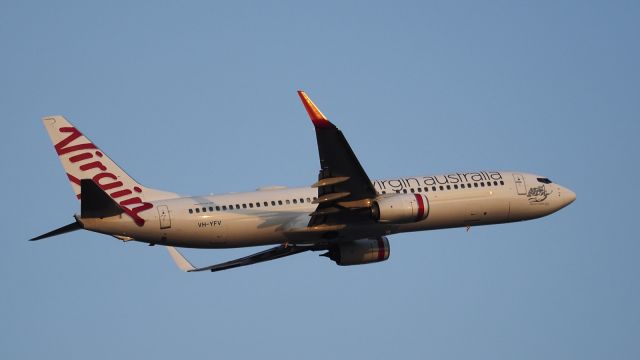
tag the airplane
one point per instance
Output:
(344, 213)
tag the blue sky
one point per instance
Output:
(199, 97)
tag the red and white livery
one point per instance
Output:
(344, 213)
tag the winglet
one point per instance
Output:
(317, 117)
(180, 260)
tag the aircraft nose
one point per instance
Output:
(568, 197)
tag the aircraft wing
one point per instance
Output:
(266, 255)
(344, 188)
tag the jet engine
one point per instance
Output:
(361, 251)
(400, 208)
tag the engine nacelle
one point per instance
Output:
(361, 251)
(400, 208)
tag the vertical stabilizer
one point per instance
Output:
(82, 159)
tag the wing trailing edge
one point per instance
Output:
(262, 256)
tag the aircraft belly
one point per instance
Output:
(462, 212)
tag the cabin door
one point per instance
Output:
(521, 188)
(163, 215)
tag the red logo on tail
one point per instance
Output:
(90, 161)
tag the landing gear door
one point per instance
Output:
(521, 187)
(163, 215)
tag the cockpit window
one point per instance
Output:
(544, 180)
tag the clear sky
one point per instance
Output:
(199, 97)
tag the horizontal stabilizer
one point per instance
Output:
(95, 203)
(63, 230)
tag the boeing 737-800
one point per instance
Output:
(344, 213)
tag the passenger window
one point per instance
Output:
(433, 188)
(475, 184)
(495, 183)
(279, 202)
(404, 191)
(210, 208)
(482, 184)
(501, 182)
(455, 186)
(204, 209)
(384, 192)
(301, 200)
(237, 206)
(273, 203)
(251, 205)
(224, 207)
(244, 206)
(488, 183)
(397, 191)
(441, 187)
(469, 185)
(462, 186)
(217, 208)
(412, 190)
(198, 210)
(190, 211)
(448, 187)
(308, 200)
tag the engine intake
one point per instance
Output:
(400, 208)
(361, 251)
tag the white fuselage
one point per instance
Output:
(275, 216)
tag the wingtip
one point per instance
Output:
(317, 117)
(182, 263)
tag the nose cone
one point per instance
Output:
(567, 197)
